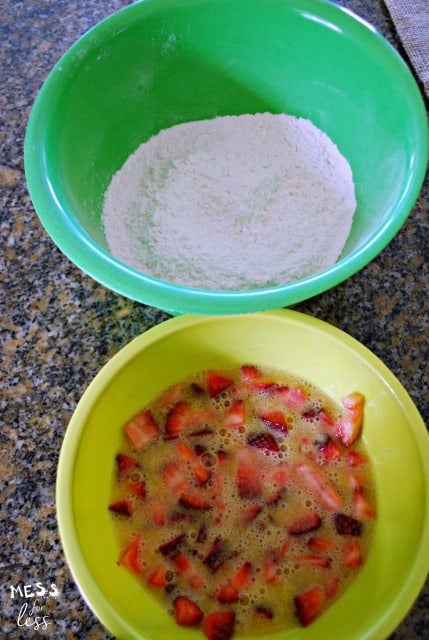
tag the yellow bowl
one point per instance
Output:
(394, 434)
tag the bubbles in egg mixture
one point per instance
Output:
(193, 482)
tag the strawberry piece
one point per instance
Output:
(264, 441)
(250, 513)
(125, 465)
(159, 513)
(194, 500)
(174, 477)
(217, 383)
(316, 481)
(329, 450)
(158, 577)
(234, 416)
(275, 420)
(171, 546)
(227, 594)
(241, 579)
(308, 605)
(137, 488)
(296, 397)
(185, 567)
(320, 544)
(264, 611)
(130, 557)
(320, 561)
(219, 625)
(186, 612)
(349, 428)
(142, 430)
(331, 586)
(352, 555)
(304, 524)
(355, 459)
(250, 372)
(269, 568)
(361, 505)
(248, 480)
(347, 525)
(122, 508)
(202, 534)
(218, 554)
(178, 419)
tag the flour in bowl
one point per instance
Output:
(235, 202)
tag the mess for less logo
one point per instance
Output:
(32, 613)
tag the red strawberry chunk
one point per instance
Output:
(234, 416)
(218, 554)
(217, 383)
(331, 586)
(248, 480)
(350, 427)
(316, 481)
(158, 576)
(304, 524)
(171, 546)
(308, 605)
(178, 419)
(275, 420)
(329, 450)
(185, 567)
(355, 459)
(264, 441)
(347, 525)
(122, 508)
(320, 561)
(361, 505)
(159, 513)
(269, 568)
(250, 372)
(219, 625)
(264, 611)
(194, 500)
(174, 477)
(241, 579)
(142, 430)
(320, 544)
(186, 612)
(227, 593)
(130, 557)
(125, 465)
(352, 555)
(138, 489)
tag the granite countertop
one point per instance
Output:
(58, 327)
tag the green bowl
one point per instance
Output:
(158, 63)
(394, 434)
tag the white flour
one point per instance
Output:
(236, 202)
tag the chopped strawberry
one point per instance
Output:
(125, 465)
(264, 441)
(347, 525)
(138, 489)
(320, 544)
(329, 450)
(171, 546)
(352, 555)
(217, 383)
(320, 561)
(130, 557)
(250, 513)
(319, 414)
(158, 576)
(293, 397)
(275, 420)
(185, 567)
(219, 625)
(122, 508)
(174, 477)
(250, 372)
(264, 611)
(234, 416)
(248, 479)
(304, 524)
(159, 513)
(331, 586)
(355, 459)
(201, 472)
(186, 612)
(308, 605)
(361, 504)
(262, 387)
(275, 479)
(230, 591)
(142, 430)
(218, 554)
(178, 419)
(194, 500)
(269, 568)
(349, 428)
(316, 481)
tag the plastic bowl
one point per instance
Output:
(394, 434)
(155, 64)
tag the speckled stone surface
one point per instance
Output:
(58, 328)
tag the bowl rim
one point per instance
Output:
(98, 263)
(85, 581)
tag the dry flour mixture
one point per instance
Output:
(235, 202)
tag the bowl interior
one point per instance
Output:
(393, 431)
(155, 64)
